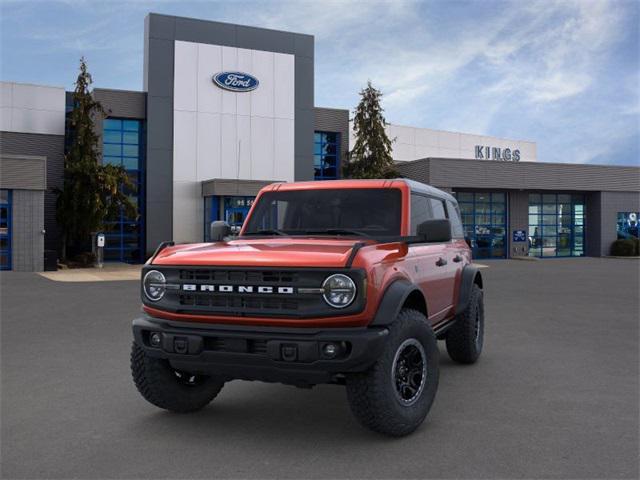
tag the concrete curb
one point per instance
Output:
(110, 273)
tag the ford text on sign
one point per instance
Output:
(236, 81)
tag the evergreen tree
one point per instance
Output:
(91, 192)
(371, 154)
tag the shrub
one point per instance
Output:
(624, 248)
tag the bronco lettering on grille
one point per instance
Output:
(192, 287)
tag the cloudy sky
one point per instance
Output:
(564, 74)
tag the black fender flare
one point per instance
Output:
(392, 301)
(470, 275)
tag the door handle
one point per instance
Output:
(441, 262)
(457, 259)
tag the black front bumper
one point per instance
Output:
(273, 354)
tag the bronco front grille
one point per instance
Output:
(238, 302)
(235, 292)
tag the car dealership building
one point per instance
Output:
(226, 109)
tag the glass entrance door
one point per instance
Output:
(556, 225)
(5, 229)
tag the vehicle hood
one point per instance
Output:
(264, 252)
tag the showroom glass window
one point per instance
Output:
(556, 225)
(123, 145)
(627, 225)
(5, 229)
(326, 156)
(484, 220)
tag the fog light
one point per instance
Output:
(330, 350)
(155, 339)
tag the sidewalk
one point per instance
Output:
(110, 273)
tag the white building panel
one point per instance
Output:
(244, 136)
(245, 64)
(188, 211)
(209, 63)
(229, 63)
(184, 146)
(425, 151)
(26, 120)
(528, 151)
(468, 142)
(426, 137)
(208, 145)
(228, 147)
(415, 143)
(32, 108)
(37, 97)
(6, 94)
(403, 151)
(185, 85)
(5, 119)
(449, 141)
(224, 134)
(262, 147)
(262, 97)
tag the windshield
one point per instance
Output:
(358, 212)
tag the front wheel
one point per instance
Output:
(173, 390)
(394, 396)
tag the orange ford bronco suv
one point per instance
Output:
(348, 282)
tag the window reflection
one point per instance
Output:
(326, 158)
(123, 146)
(484, 222)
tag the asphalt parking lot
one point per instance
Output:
(555, 394)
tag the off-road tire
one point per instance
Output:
(464, 342)
(160, 385)
(372, 394)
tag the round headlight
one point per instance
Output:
(339, 290)
(154, 285)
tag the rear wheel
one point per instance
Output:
(466, 337)
(168, 388)
(394, 396)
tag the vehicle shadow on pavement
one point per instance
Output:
(249, 409)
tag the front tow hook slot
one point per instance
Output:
(289, 353)
(180, 345)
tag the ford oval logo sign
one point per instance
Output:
(236, 81)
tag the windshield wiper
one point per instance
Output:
(337, 231)
(267, 232)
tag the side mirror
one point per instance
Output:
(218, 230)
(435, 230)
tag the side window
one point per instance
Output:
(454, 216)
(420, 211)
(437, 207)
